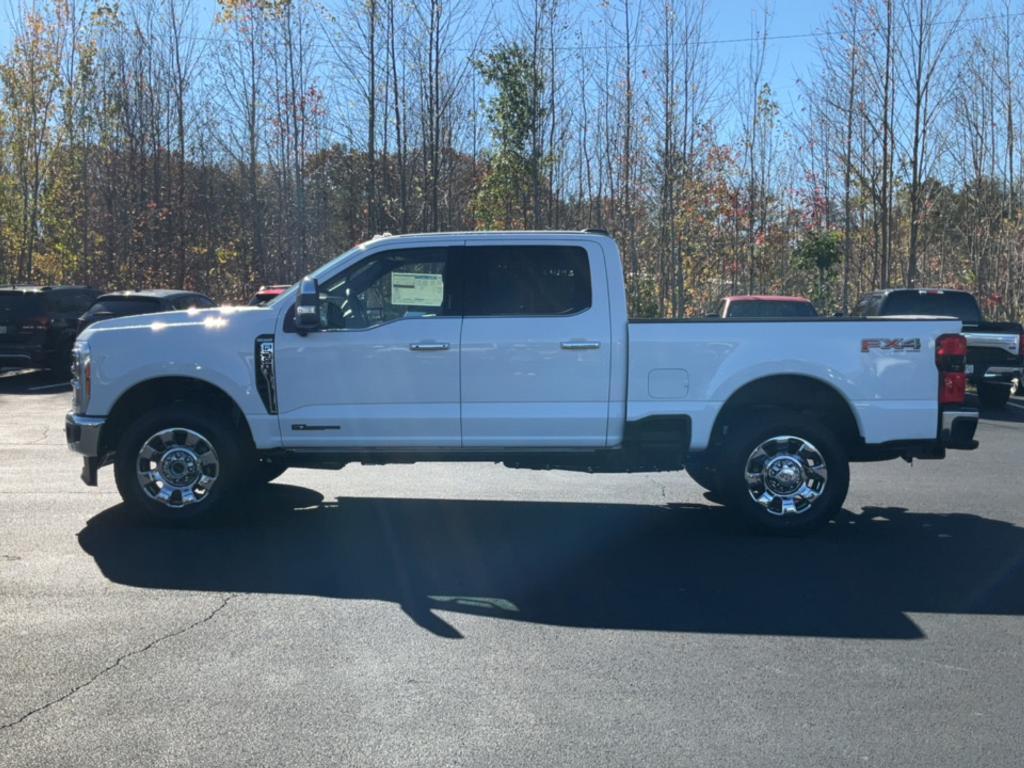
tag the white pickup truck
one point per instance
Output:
(514, 348)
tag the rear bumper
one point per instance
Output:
(957, 427)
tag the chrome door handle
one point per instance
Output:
(581, 345)
(429, 346)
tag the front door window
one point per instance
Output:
(396, 285)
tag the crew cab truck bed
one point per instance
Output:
(509, 347)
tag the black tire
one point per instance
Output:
(744, 437)
(994, 395)
(705, 476)
(226, 467)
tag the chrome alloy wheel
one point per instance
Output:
(177, 467)
(785, 475)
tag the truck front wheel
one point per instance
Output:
(178, 463)
(784, 470)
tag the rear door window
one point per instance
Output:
(62, 302)
(526, 280)
(80, 301)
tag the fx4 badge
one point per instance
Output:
(895, 345)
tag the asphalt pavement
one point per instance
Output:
(471, 615)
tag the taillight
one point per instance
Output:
(951, 360)
(952, 388)
(40, 323)
(950, 352)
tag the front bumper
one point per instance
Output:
(83, 433)
(957, 427)
(83, 436)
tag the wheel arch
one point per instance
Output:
(164, 390)
(798, 392)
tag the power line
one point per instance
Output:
(696, 43)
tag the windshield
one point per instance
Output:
(947, 303)
(321, 273)
(771, 309)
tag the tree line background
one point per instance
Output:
(142, 145)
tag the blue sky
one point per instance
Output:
(730, 19)
(788, 60)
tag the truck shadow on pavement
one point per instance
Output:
(675, 568)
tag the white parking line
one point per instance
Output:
(42, 387)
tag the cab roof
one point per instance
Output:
(151, 293)
(760, 297)
(15, 288)
(510, 233)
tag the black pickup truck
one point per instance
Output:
(994, 350)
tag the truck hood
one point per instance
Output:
(215, 346)
(191, 325)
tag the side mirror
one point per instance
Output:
(307, 306)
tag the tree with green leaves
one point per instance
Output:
(505, 196)
(820, 253)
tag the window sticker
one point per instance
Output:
(415, 289)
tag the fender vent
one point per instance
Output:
(266, 379)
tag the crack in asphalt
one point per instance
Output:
(38, 441)
(117, 662)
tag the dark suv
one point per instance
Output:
(38, 324)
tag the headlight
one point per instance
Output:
(81, 376)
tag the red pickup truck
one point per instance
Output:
(764, 306)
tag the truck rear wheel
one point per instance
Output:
(178, 463)
(785, 471)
